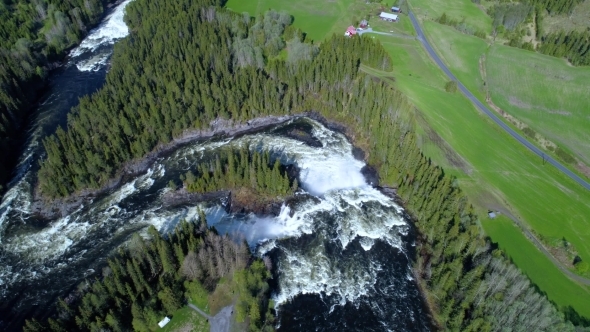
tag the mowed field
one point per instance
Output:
(186, 319)
(473, 15)
(550, 96)
(316, 18)
(492, 168)
(495, 171)
(544, 92)
(460, 52)
(539, 269)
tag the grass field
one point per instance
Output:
(460, 52)
(473, 15)
(317, 19)
(499, 173)
(544, 92)
(186, 319)
(538, 268)
(493, 169)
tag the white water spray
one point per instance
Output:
(87, 55)
(337, 209)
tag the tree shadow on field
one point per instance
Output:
(573, 316)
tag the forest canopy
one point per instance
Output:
(152, 278)
(187, 63)
(33, 34)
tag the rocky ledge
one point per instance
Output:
(49, 209)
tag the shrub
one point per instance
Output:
(568, 158)
(582, 267)
(529, 132)
(451, 86)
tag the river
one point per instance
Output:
(341, 249)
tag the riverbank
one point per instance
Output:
(233, 202)
(34, 91)
(48, 209)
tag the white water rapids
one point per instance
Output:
(338, 241)
(91, 54)
(334, 189)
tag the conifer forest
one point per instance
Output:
(187, 63)
(34, 36)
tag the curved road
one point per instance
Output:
(220, 322)
(487, 111)
(519, 138)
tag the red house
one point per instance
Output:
(351, 31)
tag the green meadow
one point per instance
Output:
(473, 15)
(544, 92)
(460, 52)
(538, 268)
(493, 169)
(186, 319)
(317, 19)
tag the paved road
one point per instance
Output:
(514, 134)
(487, 111)
(220, 322)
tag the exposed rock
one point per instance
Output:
(49, 209)
(371, 175)
(180, 197)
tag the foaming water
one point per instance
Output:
(324, 242)
(96, 49)
(39, 259)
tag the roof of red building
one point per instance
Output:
(351, 30)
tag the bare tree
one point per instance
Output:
(191, 268)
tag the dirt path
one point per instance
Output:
(546, 252)
(220, 322)
(393, 34)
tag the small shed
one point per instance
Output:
(396, 10)
(163, 322)
(388, 17)
(350, 31)
(364, 24)
(492, 214)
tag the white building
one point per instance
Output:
(388, 17)
(163, 322)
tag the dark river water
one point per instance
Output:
(341, 251)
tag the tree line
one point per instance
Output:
(162, 83)
(152, 278)
(509, 19)
(572, 45)
(555, 7)
(243, 168)
(33, 34)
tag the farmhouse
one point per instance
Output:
(388, 17)
(351, 31)
(396, 10)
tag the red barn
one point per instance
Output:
(351, 31)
